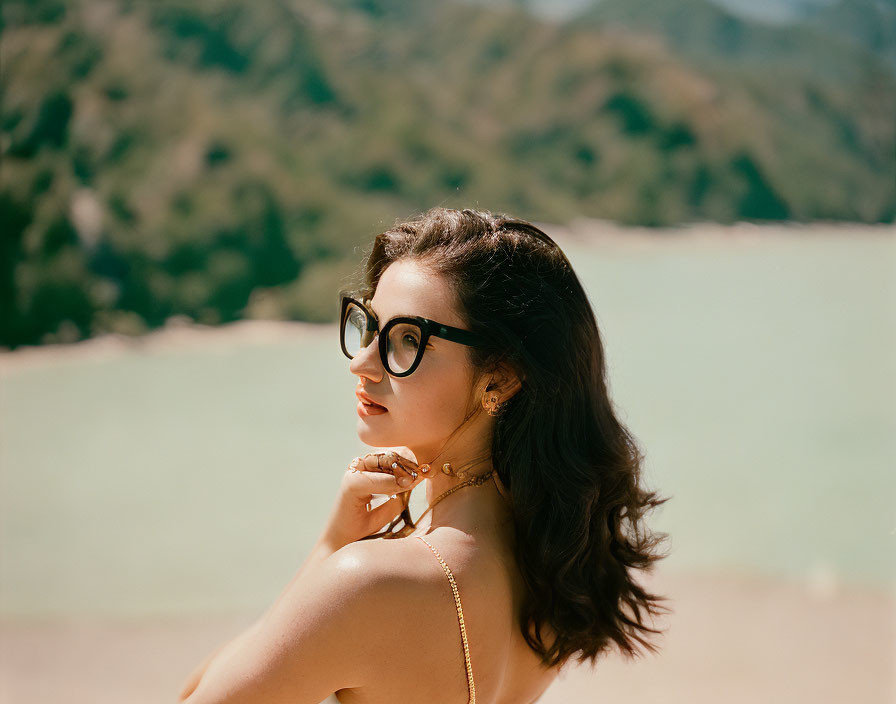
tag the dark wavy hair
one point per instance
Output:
(571, 467)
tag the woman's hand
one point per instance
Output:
(374, 473)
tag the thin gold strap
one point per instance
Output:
(460, 618)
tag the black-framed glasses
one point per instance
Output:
(402, 339)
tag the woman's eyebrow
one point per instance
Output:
(397, 315)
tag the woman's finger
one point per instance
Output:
(390, 462)
(364, 482)
(403, 458)
(376, 462)
(402, 466)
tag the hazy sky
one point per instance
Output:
(768, 10)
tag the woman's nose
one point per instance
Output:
(367, 362)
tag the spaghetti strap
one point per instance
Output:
(460, 618)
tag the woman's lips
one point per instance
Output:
(365, 409)
(366, 400)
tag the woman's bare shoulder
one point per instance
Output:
(397, 562)
(408, 581)
(337, 626)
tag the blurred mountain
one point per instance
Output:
(224, 159)
(767, 11)
(773, 11)
(835, 42)
(868, 24)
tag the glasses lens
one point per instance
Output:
(404, 341)
(354, 331)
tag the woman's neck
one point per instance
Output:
(470, 508)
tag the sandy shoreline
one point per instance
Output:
(730, 639)
(176, 335)
(602, 233)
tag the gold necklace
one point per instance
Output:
(473, 481)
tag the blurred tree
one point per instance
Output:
(236, 157)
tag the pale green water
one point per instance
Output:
(759, 378)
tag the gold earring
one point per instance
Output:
(491, 405)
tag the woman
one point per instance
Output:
(481, 375)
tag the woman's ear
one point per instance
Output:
(504, 381)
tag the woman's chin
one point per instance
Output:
(373, 436)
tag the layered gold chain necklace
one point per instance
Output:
(447, 469)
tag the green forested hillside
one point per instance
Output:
(870, 24)
(223, 159)
(709, 34)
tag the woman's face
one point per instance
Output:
(423, 409)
